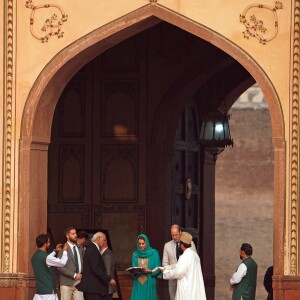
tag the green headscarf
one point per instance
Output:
(143, 253)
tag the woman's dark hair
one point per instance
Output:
(141, 238)
(41, 239)
(247, 248)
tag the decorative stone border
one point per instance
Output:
(295, 142)
(16, 280)
(8, 118)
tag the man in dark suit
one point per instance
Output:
(70, 274)
(82, 240)
(268, 282)
(110, 262)
(94, 281)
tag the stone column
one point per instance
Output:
(208, 230)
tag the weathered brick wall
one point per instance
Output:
(244, 197)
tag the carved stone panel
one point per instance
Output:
(124, 223)
(63, 215)
(119, 173)
(71, 173)
(120, 108)
(72, 110)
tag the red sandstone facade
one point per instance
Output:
(167, 79)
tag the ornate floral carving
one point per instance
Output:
(7, 133)
(19, 280)
(255, 27)
(52, 26)
(295, 141)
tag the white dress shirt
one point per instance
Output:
(239, 274)
(53, 261)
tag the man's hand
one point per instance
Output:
(78, 276)
(65, 247)
(147, 271)
(231, 287)
(112, 282)
(58, 247)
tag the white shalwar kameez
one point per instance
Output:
(190, 284)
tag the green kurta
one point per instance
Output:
(144, 285)
(247, 287)
(44, 275)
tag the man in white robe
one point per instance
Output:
(171, 255)
(190, 284)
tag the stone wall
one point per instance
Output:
(244, 194)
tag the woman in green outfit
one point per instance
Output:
(144, 283)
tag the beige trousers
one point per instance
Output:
(70, 293)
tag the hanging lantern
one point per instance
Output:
(215, 133)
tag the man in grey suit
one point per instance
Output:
(171, 255)
(110, 263)
(70, 275)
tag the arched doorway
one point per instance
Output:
(41, 103)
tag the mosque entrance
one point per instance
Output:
(124, 142)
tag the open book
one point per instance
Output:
(140, 270)
(135, 269)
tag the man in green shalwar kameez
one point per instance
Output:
(243, 281)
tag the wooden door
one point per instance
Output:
(186, 173)
(97, 156)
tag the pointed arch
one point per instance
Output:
(45, 92)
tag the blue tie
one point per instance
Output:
(177, 251)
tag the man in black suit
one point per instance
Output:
(268, 282)
(82, 240)
(94, 281)
(110, 263)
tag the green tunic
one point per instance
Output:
(144, 285)
(44, 275)
(247, 287)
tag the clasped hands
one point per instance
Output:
(112, 282)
